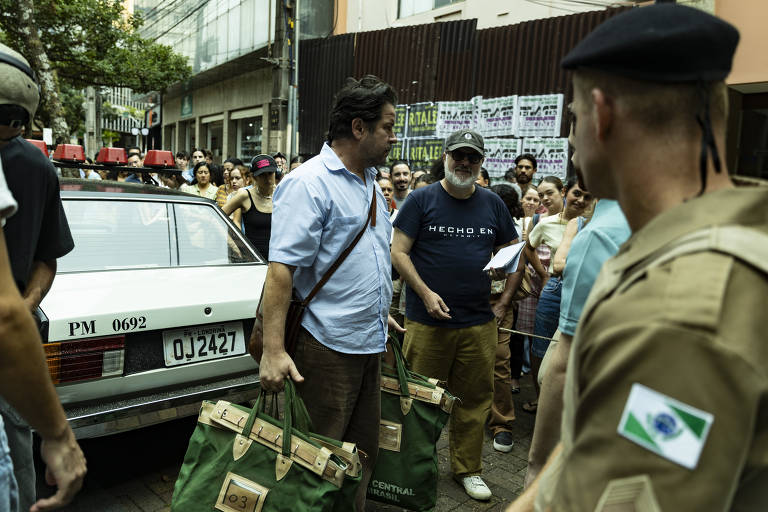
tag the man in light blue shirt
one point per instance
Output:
(318, 210)
(591, 247)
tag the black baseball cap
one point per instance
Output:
(261, 164)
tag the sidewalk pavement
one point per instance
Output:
(504, 473)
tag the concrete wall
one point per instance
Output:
(218, 102)
(750, 64)
(249, 89)
(364, 15)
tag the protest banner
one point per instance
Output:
(539, 116)
(422, 120)
(422, 152)
(551, 155)
(497, 116)
(401, 121)
(453, 116)
(500, 155)
(399, 151)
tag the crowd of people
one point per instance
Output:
(623, 418)
(631, 289)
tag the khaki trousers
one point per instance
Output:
(502, 408)
(463, 358)
(342, 393)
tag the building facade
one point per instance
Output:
(240, 51)
(362, 16)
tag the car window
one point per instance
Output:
(117, 235)
(205, 238)
(114, 234)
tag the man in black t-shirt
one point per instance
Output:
(445, 234)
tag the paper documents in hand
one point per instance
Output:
(507, 258)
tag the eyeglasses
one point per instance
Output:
(459, 155)
(15, 117)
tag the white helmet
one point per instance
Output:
(17, 81)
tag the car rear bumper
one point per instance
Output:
(112, 417)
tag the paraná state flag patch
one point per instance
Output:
(663, 425)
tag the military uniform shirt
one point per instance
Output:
(693, 330)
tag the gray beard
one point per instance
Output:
(457, 182)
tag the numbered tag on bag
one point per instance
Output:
(239, 494)
(390, 435)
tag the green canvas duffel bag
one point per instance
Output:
(241, 460)
(414, 410)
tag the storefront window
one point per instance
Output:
(215, 132)
(249, 132)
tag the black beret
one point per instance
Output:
(659, 43)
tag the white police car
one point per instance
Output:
(151, 312)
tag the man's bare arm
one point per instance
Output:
(276, 364)
(546, 432)
(26, 385)
(401, 260)
(40, 281)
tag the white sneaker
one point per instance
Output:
(476, 488)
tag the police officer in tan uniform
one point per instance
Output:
(666, 394)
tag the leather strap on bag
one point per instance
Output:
(336, 264)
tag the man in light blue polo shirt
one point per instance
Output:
(318, 210)
(591, 247)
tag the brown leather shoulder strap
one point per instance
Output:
(336, 264)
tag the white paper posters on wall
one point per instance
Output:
(551, 155)
(500, 155)
(453, 116)
(497, 116)
(539, 116)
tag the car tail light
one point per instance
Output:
(92, 358)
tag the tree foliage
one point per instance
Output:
(95, 42)
(72, 100)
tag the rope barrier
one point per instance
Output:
(513, 331)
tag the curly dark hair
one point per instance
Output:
(527, 156)
(508, 194)
(425, 178)
(362, 99)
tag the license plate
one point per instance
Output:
(203, 343)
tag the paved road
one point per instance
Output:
(136, 471)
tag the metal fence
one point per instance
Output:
(440, 62)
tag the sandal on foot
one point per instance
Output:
(531, 407)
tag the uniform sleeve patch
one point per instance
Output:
(665, 426)
(633, 494)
